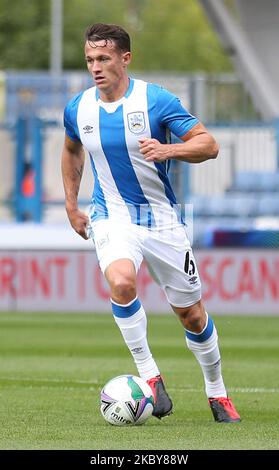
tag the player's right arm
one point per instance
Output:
(72, 168)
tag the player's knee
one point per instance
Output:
(193, 318)
(123, 289)
(194, 321)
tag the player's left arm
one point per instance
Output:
(198, 146)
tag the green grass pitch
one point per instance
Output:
(52, 367)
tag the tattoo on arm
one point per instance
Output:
(79, 171)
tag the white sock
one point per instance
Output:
(132, 322)
(204, 345)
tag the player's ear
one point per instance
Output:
(126, 58)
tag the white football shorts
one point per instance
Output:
(168, 255)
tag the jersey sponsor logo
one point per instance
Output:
(136, 122)
(102, 242)
(88, 129)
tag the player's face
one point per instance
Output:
(107, 65)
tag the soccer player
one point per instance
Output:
(124, 125)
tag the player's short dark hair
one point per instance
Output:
(112, 32)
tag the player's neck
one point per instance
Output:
(116, 93)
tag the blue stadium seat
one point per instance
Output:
(268, 205)
(236, 204)
(269, 182)
(255, 181)
(235, 210)
(215, 206)
(245, 181)
(199, 204)
(242, 205)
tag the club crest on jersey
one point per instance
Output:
(136, 122)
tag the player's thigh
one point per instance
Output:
(172, 264)
(114, 241)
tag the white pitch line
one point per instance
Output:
(254, 390)
(231, 390)
(43, 380)
(96, 383)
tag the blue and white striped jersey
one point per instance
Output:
(127, 188)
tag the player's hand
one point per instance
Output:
(152, 150)
(79, 221)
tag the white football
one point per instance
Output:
(126, 400)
